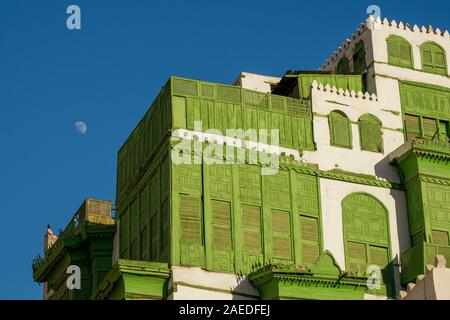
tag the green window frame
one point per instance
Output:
(359, 58)
(434, 59)
(124, 235)
(370, 133)
(281, 234)
(399, 52)
(343, 66)
(340, 130)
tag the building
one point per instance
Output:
(331, 184)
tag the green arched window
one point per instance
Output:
(433, 58)
(399, 52)
(366, 236)
(340, 130)
(359, 58)
(370, 133)
(342, 67)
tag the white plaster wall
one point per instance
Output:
(416, 38)
(256, 82)
(198, 284)
(333, 192)
(354, 160)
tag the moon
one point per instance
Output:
(81, 127)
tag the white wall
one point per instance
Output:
(198, 284)
(256, 82)
(355, 160)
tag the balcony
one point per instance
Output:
(415, 260)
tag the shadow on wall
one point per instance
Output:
(385, 170)
(243, 286)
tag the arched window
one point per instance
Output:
(370, 133)
(399, 52)
(340, 130)
(366, 236)
(433, 58)
(359, 58)
(342, 66)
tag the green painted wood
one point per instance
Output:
(399, 52)
(340, 130)
(433, 58)
(370, 133)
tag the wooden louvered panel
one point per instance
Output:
(190, 231)
(189, 207)
(356, 251)
(429, 127)
(440, 237)
(252, 241)
(310, 253)
(308, 229)
(221, 237)
(221, 212)
(370, 133)
(412, 126)
(378, 256)
(281, 247)
(280, 221)
(251, 217)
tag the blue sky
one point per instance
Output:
(107, 75)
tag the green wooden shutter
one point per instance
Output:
(378, 256)
(340, 130)
(430, 128)
(281, 234)
(309, 235)
(399, 52)
(221, 224)
(370, 134)
(433, 59)
(440, 237)
(357, 257)
(190, 219)
(251, 229)
(412, 124)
